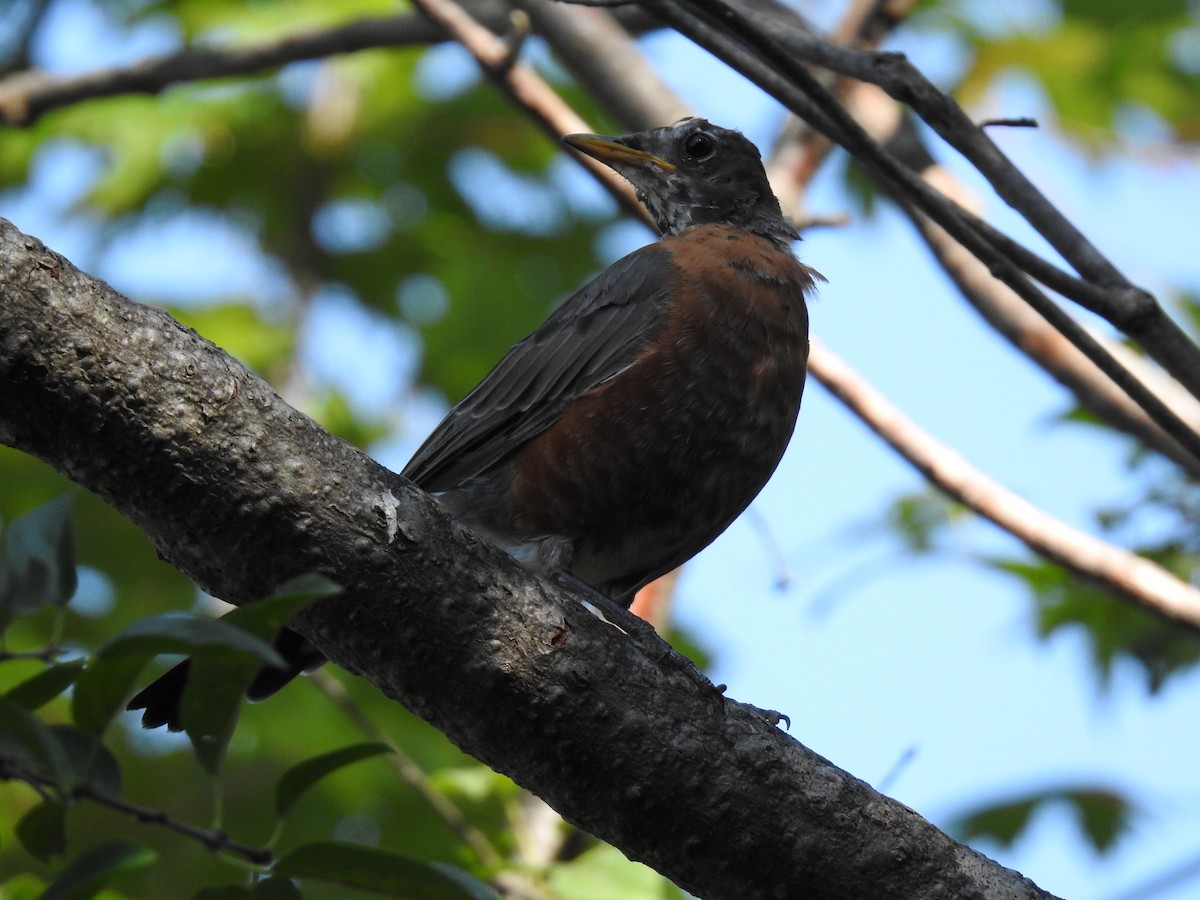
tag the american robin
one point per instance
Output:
(630, 429)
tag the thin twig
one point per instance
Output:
(215, 840)
(27, 96)
(517, 79)
(1018, 122)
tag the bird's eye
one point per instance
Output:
(699, 145)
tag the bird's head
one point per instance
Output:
(693, 173)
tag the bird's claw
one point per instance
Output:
(770, 716)
(653, 645)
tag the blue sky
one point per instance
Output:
(926, 669)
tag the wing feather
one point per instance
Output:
(595, 334)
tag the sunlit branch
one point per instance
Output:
(1153, 587)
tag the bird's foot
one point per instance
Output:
(642, 632)
(770, 716)
(653, 645)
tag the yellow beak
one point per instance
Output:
(612, 153)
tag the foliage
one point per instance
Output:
(1103, 815)
(75, 784)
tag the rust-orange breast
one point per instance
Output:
(655, 462)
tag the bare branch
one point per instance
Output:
(215, 840)
(1047, 347)
(515, 78)
(592, 45)
(1150, 585)
(28, 95)
(800, 149)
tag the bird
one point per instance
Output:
(645, 414)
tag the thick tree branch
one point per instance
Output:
(241, 492)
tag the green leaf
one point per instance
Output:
(216, 687)
(919, 518)
(101, 689)
(37, 567)
(88, 872)
(371, 869)
(263, 618)
(43, 830)
(301, 777)
(1114, 628)
(1103, 815)
(91, 762)
(25, 737)
(35, 692)
(1002, 822)
(1102, 60)
(602, 872)
(212, 701)
(189, 634)
(25, 886)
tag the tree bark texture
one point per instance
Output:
(241, 492)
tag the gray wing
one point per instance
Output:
(589, 339)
